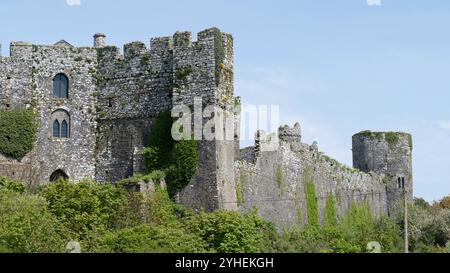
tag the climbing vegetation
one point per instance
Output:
(18, 132)
(311, 199)
(178, 159)
(330, 211)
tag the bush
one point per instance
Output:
(27, 226)
(86, 208)
(18, 128)
(151, 239)
(231, 232)
(11, 186)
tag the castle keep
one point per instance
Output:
(96, 107)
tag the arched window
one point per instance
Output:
(61, 86)
(56, 128)
(61, 124)
(64, 129)
(57, 175)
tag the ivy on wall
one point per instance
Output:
(18, 129)
(178, 159)
(330, 211)
(311, 199)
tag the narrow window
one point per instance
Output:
(399, 183)
(403, 183)
(56, 129)
(64, 129)
(110, 102)
(61, 86)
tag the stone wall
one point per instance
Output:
(203, 69)
(132, 90)
(389, 154)
(114, 98)
(273, 181)
(29, 75)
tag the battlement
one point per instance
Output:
(290, 135)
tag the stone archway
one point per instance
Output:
(58, 174)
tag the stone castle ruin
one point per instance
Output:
(96, 107)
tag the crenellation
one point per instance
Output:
(96, 107)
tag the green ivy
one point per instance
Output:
(178, 159)
(311, 199)
(279, 180)
(330, 211)
(182, 72)
(160, 144)
(18, 129)
(184, 165)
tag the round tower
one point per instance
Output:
(99, 40)
(388, 154)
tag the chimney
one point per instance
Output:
(99, 40)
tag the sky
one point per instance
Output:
(336, 66)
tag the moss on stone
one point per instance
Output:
(182, 73)
(145, 60)
(279, 180)
(219, 51)
(392, 138)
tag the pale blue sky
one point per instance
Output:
(337, 66)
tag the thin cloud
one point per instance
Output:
(374, 2)
(73, 2)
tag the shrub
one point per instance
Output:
(18, 128)
(86, 208)
(150, 239)
(231, 232)
(27, 226)
(10, 186)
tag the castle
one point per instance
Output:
(96, 107)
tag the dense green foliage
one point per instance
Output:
(11, 186)
(184, 166)
(27, 225)
(18, 129)
(108, 218)
(330, 212)
(428, 225)
(230, 232)
(178, 159)
(86, 208)
(160, 143)
(311, 199)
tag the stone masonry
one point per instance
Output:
(113, 98)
